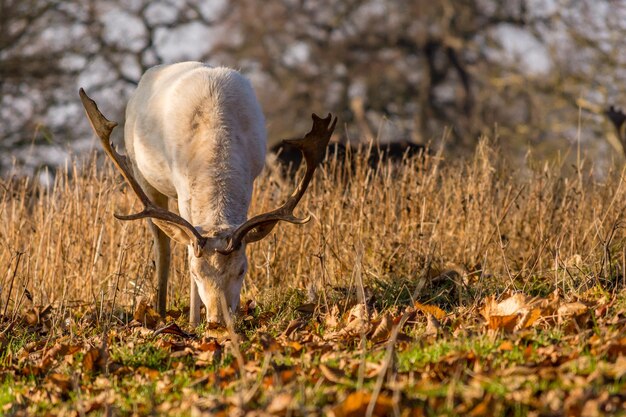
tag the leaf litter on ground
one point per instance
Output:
(540, 354)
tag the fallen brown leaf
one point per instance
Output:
(173, 328)
(248, 307)
(181, 353)
(150, 373)
(294, 345)
(482, 408)
(36, 314)
(209, 345)
(433, 326)
(356, 404)
(145, 314)
(60, 349)
(268, 343)
(574, 309)
(207, 358)
(60, 382)
(618, 370)
(510, 314)
(506, 346)
(221, 333)
(430, 309)
(616, 348)
(91, 359)
(280, 404)
(358, 323)
(529, 318)
(174, 313)
(333, 374)
(331, 320)
(287, 375)
(292, 327)
(308, 308)
(383, 330)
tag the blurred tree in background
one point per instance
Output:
(391, 69)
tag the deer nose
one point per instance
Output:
(214, 318)
(218, 318)
(214, 323)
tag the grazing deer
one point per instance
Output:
(289, 157)
(618, 118)
(196, 134)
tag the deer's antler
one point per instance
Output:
(313, 148)
(103, 128)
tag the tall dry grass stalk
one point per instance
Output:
(401, 226)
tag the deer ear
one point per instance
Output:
(181, 235)
(174, 231)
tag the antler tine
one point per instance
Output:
(103, 128)
(313, 148)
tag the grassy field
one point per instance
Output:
(438, 287)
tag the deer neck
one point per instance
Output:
(218, 186)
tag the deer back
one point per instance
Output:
(197, 133)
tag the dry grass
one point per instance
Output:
(402, 225)
(446, 233)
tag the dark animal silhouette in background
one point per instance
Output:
(289, 158)
(618, 118)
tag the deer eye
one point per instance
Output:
(243, 271)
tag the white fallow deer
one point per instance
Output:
(196, 134)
